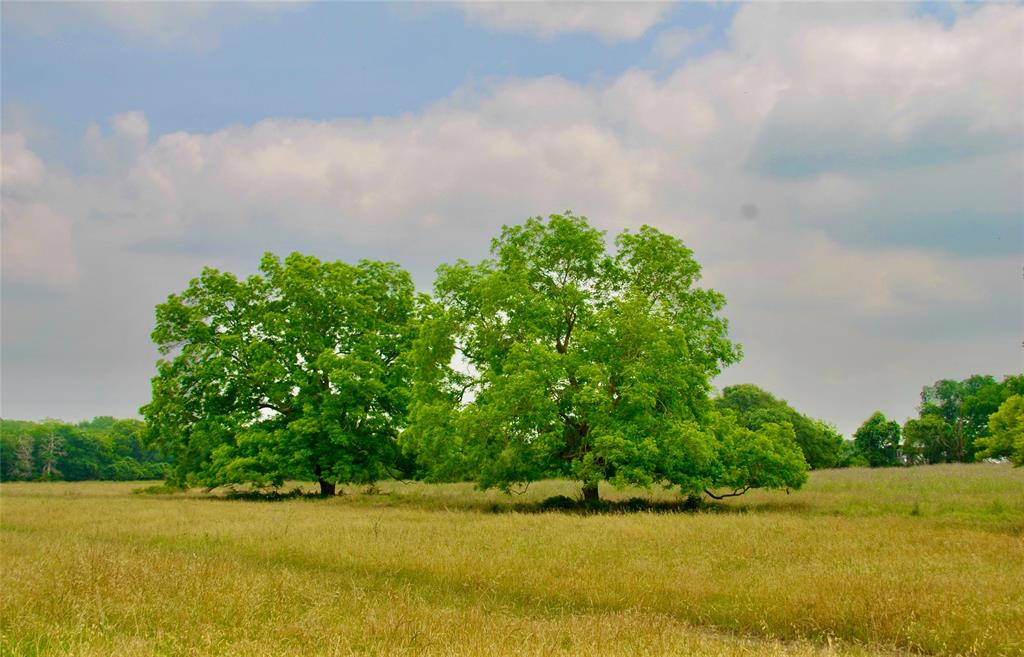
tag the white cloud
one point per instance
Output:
(818, 274)
(810, 305)
(861, 88)
(127, 138)
(673, 42)
(611, 21)
(19, 167)
(37, 246)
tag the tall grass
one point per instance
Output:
(925, 560)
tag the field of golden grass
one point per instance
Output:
(905, 561)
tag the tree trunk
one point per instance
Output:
(590, 494)
(326, 488)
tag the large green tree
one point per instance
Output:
(878, 440)
(555, 358)
(296, 372)
(820, 442)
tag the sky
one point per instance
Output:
(849, 175)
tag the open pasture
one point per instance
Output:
(928, 560)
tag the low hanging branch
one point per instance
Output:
(735, 493)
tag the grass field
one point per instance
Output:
(923, 560)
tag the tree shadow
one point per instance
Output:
(257, 495)
(562, 504)
(576, 506)
(229, 494)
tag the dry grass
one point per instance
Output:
(924, 560)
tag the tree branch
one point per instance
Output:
(735, 493)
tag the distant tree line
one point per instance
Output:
(974, 419)
(102, 448)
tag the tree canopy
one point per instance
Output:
(820, 442)
(878, 440)
(929, 439)
(965, 406)
(102, 448)
(1006, 432)
(954, 417)
(555, 358)
(953, 425)
(296, 372)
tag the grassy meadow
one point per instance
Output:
(926, 560)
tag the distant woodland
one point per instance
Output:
(102, 448)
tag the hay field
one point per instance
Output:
(924, 560)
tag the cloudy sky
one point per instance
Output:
(850, 175)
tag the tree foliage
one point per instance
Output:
(851, 457)
(819, 441)
(1006, 432)
(554, 358)
(964, 406)
(878, 440)
(292, 373)
(765, 457)
(954, 417)
(929, 439)
(954, 423)
(102, 448)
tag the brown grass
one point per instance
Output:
(926, 560)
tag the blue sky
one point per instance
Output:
(314, 61)
(849, 174)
